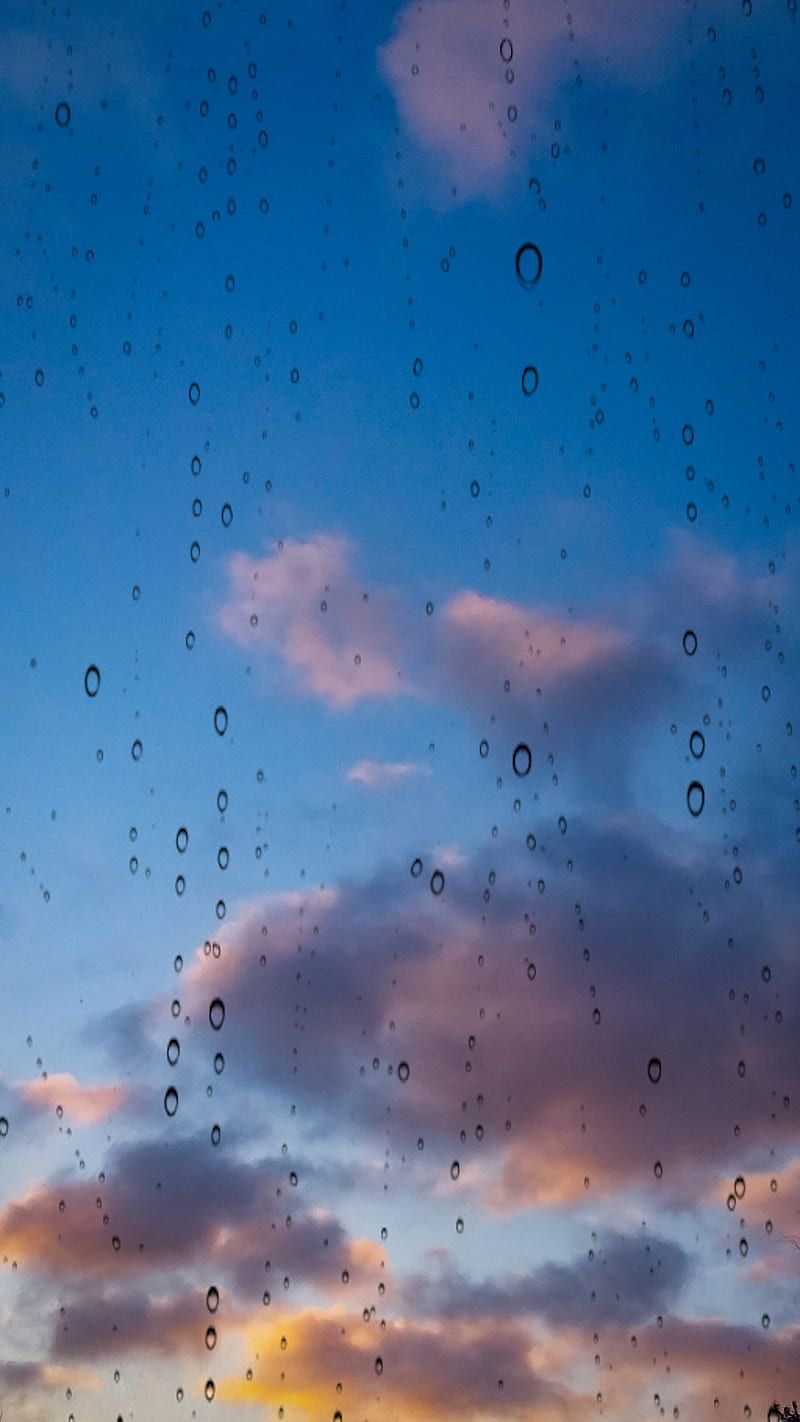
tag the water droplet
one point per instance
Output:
(522, 759)
(695, 798)
(528, 264)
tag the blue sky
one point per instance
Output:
(403, 568)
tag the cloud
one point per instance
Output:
(84, 1104)
(514, 660)
(103, 63)
(461, 1369)
(382, 774)
(110, 1323)
(589, 690)
(19, 1379)
(628, 1281)
(467, 76)
(301, 604)
(557, 1076)
(165, 1203)
(708, 1366)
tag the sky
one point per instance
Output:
(400, 809)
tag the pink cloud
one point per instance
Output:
(505, 637)
(84, 1104)
(711, 1365)
(567, 1095)
(464, 99)
(382, 774)
(301, 604)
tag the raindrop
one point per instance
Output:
(654, 1070)
(216, 1013)
(528, 263)
(170, 1100)
(522, 759)
(91, 680)
(695, 798)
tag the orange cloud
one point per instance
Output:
(323, 1362)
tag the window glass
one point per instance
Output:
(400, 809)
